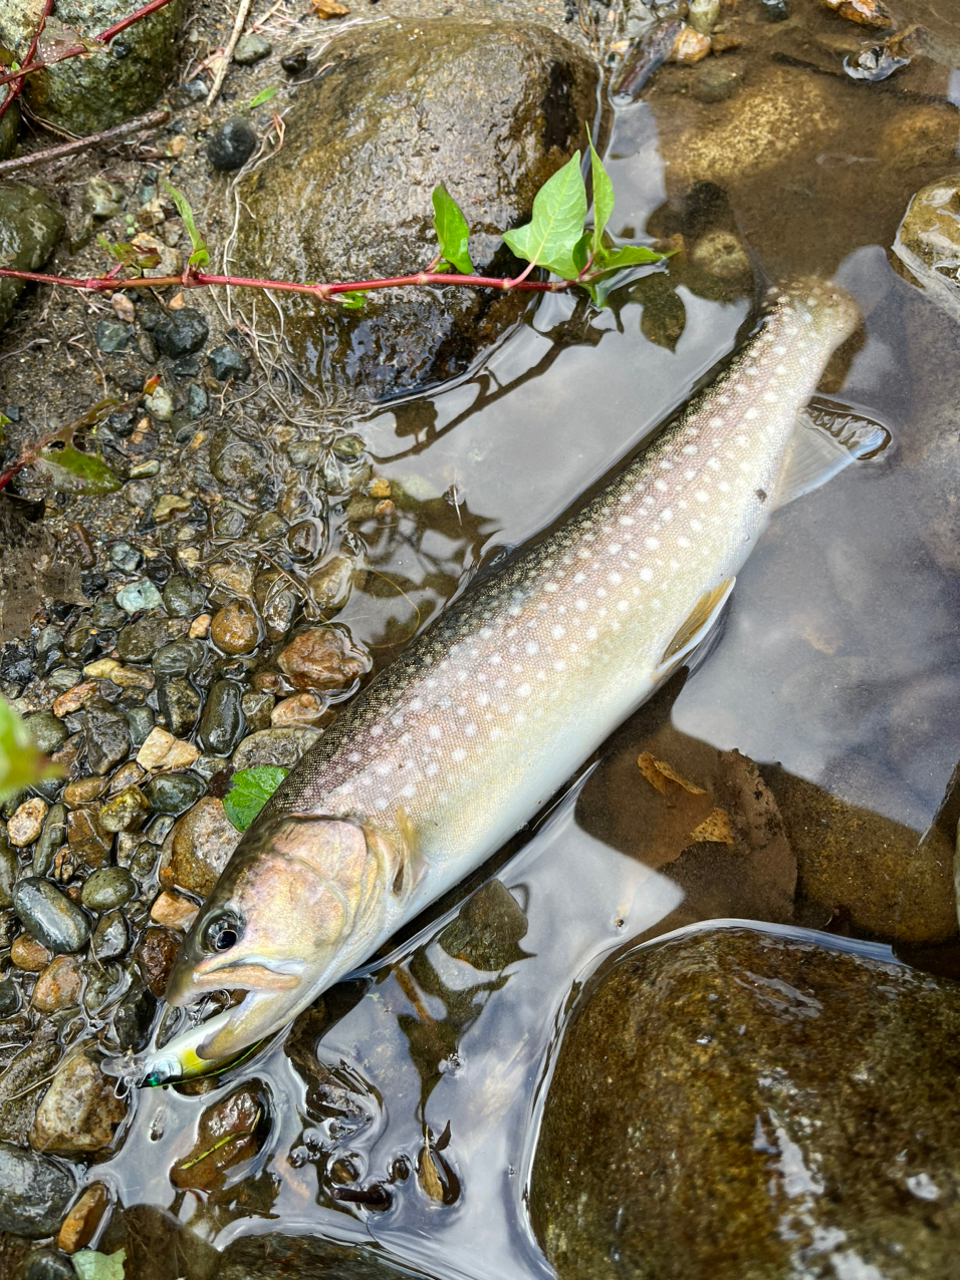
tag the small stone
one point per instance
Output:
(10, 998)
(126, 558)
(161, 750)
(107, 614)
(296, 63)
(277, 601)
(80, 1111)
(74, 698)
(174, 793)
(155, 955)
(111, 938)
(230, 581)
(230, 1131)
(168, 506)
(34, 1192)
(61, 679)
(131, 677)
(226, 362)
(102, 669)
(51, 838)
(331, 584)
(59, 985)
(28, 954)
(173, 911)
(106, 739)
(231, 146)
(83, 791)
(256, 707)
(46, 730)
(222, 724)
(138, 595)
(142, 471)
(197, 401)
(251, 48)
(8, 873)
(181, 658)
(182, 596)
(198, 848)
(50, 916)
(107, 889)
(47, 1264)
(126, 811)
(123, 307)
(299, 709)
(139, 641)
(234, 628)
(181, 333)
(81, 1223)
(133, 1017)
(112, 335)
(323, 658)
(282, 747)
(179, 705)
(721, 254)
(140, 721)
(200, 626)
(104, 198)
(26, 823)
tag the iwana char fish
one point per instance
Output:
(494, 706)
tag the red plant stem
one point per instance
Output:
(17, 89)
(106, 36)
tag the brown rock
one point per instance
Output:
(26, 822)
(173, 911)
(126, 811)
(74, 698)
(230, 1131)
(323, 658)
(83, 791)
(80, 1224)
(197, 849)
(200, 626)
(28, 954)
(87, 838)
(301, 708)
(155, 954)
(59, 986)
(161, 752)
(80, 1110)
(235, 628)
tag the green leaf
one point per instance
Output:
(559, 208)
(21, 764)
(581, 251)
(353, 299)
(602, 197)
(452, 231)
(264, 96)
(251, 790)
(201, 254)
(90, 1265)
(625, 255)
(76, 472)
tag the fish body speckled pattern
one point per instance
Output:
(493, 707)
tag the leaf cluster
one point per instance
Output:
(249, 792)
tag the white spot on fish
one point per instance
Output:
(702, 496)
(558, 632)
(646, 575)
(614, 579)
(458, 754)
(435, 731)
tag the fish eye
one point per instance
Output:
(222, 932)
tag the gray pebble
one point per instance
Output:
(8, 873)
(138, 595)
(183, 597)
(111, 938)
(140, 640)
(63, 678)
(34, 1192)
(222, 725)
(106, 739)
(50, 916)
(256, 707)
(197, 401)
(140, 720)
(10, 997)
(104, 199)
(179, 658)
(105, 613)
(231, 146)
(125, 557)
(174, 793)
(226, 362)
(181, 332)
(47, 732)
(133, 1017)
(108, 888)
(251, 48)
(207, 765)
(112, 335)
(159, 405)
(53, 835)
(49, 638)
(179, 704)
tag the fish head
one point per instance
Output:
(294, 911)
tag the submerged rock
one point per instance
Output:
(34, 1192)
(301, 1258)
(928, 242)
(734, 1102)
(490, 110)
(80, 1110)
(30, 226)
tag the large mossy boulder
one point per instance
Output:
(86, 94)
(738, 1103)
(30, 226)
(491, 111)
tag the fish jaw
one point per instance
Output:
(302, 905)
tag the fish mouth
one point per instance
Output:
(250, 973)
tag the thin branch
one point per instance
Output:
(218, 79)
(106, 36)
(152, 120)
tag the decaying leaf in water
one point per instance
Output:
(658, 773)
(329, 9)
(716, 828)
(429, 1177)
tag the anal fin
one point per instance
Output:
(829, 436)
(695, 627)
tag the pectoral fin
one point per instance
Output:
(696, 626)
(410, 863)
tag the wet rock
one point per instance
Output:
(111, 937)
(48, 733)
(197, 401)
(299, 709)
(104, 88)
(162, 751)
(106, 738)
(133, 1018)
(180, 658)
(81, 1223)
(159, 405)
(236, 463)
(138, 595)
(282, 747)
(173, 911)
(928, 242)
(140, 722)
(87, 840)
(140, 640)
(180, 333)
(511, 98)
(112, 336)
(83, 791)
(155, 953)
(51, 838)
(256, 707)
(323, 658)
(277, 600)
(331, 584)
(678, 1139)
(222, 724)
(34, 1192)
(230, 1132)
(59, 985)
(50, 916)
(24, 1077)
(47, 1264)
(198, 848)
(8, 873)
(126, 811)
(232, 145)
(80, 1110)
(28, 954)
(183, 597)
(10, 998)
(234, 628)
(251, 48)
(75, 697)
(26, 822)
(174, 792)
(30, 226)
(226, 362)
(301, 1258)
(179, 705)
(108, 888)
(156, 1244)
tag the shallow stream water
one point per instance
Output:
(837, 658)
